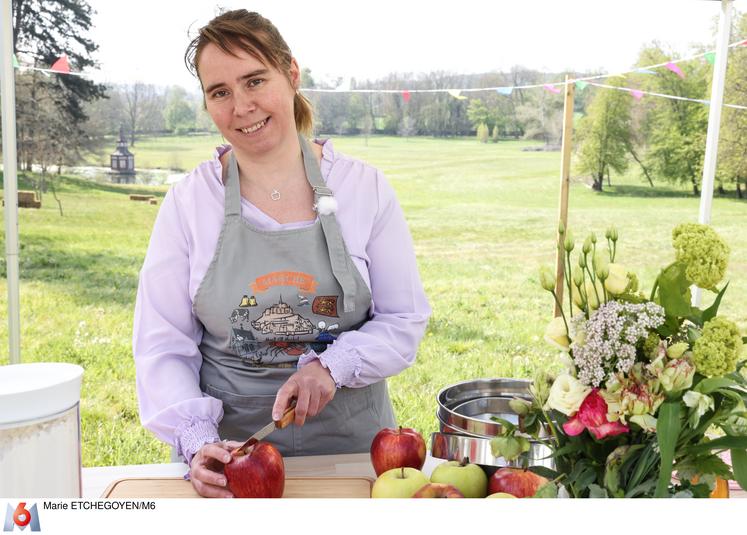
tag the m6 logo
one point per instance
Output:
(21, 517)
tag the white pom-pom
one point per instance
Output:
(326, 205)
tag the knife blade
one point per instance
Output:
(286, 419)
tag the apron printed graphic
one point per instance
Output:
(279, 320)
(325, 305)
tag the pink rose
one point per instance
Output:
(592, 415)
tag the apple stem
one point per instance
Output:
(400, 430)
(403, 471)
(465, 461)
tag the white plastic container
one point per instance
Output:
(40, 430)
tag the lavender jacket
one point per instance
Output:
(166, 334)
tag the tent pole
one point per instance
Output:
(714, 122)
(10, 180)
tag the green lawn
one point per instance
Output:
(483, 219)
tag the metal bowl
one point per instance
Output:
(466, 407)
(456, 447)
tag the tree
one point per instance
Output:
(179, 113)
(482, 133)
(676, 129)
(43, 30)
(604, 135)
(732, 164)
(141, 102)
(478, 113)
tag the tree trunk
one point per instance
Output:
(598, 182)
(696, 190)
(609, 181)
(720, 189)
(739, 190)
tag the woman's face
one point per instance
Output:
(250, 103)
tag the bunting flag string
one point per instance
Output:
(638, 94)
(62, 66)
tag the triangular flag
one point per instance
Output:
(15, 62)
(581, 85)
(505, 90)
(710, 57)
(61, 65)
(637, 94)
(675, 69)
(551, 88)
(456, 93)
(406, 96)
(645, 71)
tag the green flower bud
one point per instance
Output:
(587, 245)
(561, 228)
(578, 279)
(520, 406)
(582, 261)
(509, 447)
(593, 237)
(568, 243)
(547, 279)
(601, 265)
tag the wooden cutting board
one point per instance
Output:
(295, 487)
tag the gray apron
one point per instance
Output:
(267, 298)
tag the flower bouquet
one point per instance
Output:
(655, 388)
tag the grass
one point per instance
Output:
(482, 217)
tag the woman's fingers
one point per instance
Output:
(206, 471)
(302, 404)
(288, 391)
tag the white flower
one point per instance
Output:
(566, 394)
(699, 402)
(645, 421)
(617, 282)
(557, 335)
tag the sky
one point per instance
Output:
(145, 40)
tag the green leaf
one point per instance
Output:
(739, 466)
(544, 471)
(673, 287)
(507, 427)
(705, 464)
(710, 312)
(706, 386)
(667, 433)
(548, 490)
(721, 443)
(595, 491)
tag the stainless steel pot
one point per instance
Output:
(454, 447)
(466, 408)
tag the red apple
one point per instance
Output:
(397, 448)
(515, 481)
(259, 473)
(438, 490)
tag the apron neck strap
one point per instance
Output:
(233, 190)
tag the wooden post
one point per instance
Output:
(565, 177)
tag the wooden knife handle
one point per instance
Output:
(288, 416)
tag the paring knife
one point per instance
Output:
(285, 420)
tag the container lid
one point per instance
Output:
(37, 389)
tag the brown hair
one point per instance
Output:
(258, 37)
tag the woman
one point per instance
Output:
(279, 270)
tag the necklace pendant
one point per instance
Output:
(275, 195)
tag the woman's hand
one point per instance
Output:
(312, 386)
(206, 469)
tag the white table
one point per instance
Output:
(97, 479)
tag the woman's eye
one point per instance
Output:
(220, 93)
(255, 82)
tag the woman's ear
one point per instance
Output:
(295, 74)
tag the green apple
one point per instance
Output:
(468, 478)
(399, 483)
(501, 495)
